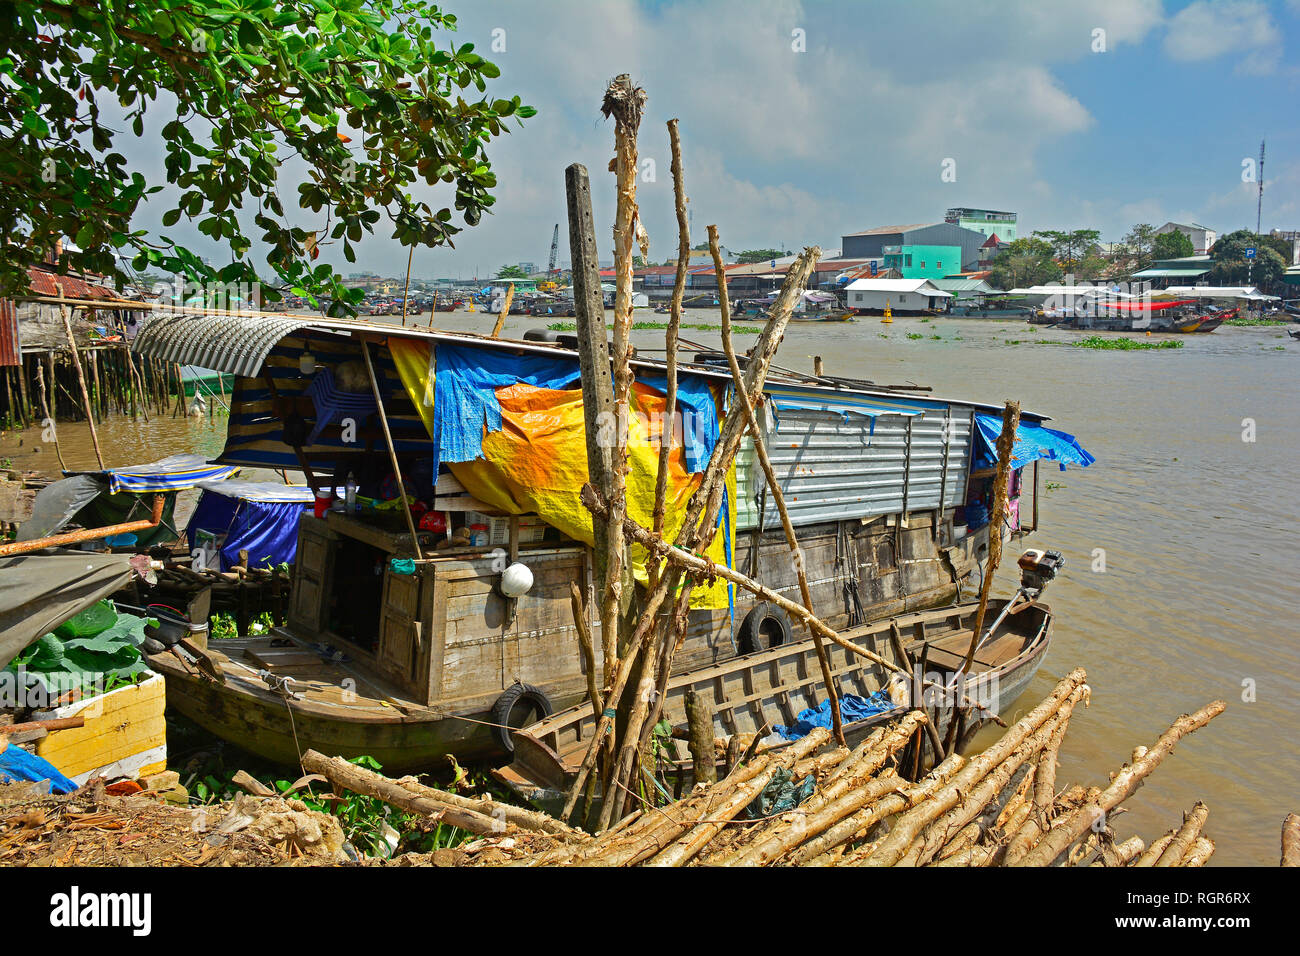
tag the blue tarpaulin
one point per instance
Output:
(465, 402)
(1033, 442)
(852, 708)
(261, 520)
(17, 764)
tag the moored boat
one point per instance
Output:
(757, 692)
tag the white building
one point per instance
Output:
(900, 295)
(1202, 236)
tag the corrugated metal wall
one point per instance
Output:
(10, 344)
(834, 467)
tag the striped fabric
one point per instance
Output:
(176, 473)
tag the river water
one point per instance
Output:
(1197, 527)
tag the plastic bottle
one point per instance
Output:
(350, 496)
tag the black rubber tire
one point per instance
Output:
(519, 706)
(764, 627)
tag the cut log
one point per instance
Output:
(1069, 828)
(1186, 836)
(1291, 840)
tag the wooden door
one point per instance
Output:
(313, 577)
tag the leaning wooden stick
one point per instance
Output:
(773, 483)
(698, 524)
(1005, 447)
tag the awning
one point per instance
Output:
(175, 473)
(38, 592)
(1033, 442)
(261, 491)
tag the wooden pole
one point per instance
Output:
(505, 310)
(669, 427)
(407, 288)
(392, 451)
(1005, 446)
(81, 380)
(702, 511)
(773, 483)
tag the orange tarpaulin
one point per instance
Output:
(537, 461)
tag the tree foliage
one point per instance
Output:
(1231, 267)
(1172, 245)
(758, 255)
(1069, 247)
(1025, 262)
(363, 93)
(511, 272)
(1138, 244)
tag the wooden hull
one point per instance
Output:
(770, 688)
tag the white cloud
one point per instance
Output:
(1206, 31)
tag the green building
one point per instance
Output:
(988, 221)
(922, 261)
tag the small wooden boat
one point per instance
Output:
(1187, 325)
(753, 693)
(823, 317)
(1216, 319)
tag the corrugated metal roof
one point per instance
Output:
(227, 343)
(896, 285)
(240, 343)
(49, 283)
(889, 230)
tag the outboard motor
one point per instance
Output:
(1038, 568)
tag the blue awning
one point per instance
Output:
(175, 473)
(1033, 442)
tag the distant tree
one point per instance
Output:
(758, 255)
(1279, 245)
(702, 247)
(1070, 246)
(1231, 267)
(372, 97)
(1024, 262)
(511, 272)
(1137, 247)
(1172, 245)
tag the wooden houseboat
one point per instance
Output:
(406, 650)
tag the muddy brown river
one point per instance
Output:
(1198, 529)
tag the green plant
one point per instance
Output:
(915, 335)
(365, 95)
(1125, 345)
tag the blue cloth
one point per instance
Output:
(268, 530)
(465, 402)
(1033, 442)
(332, 404)
(852, 708)
(17, 764)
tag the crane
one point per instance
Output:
(550, 285)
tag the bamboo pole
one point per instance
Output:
(407, 288)
(1073, 825)
(505, 310)
(1291, 840)
(1005, 447)
(668, 429)
(706, 501)
(1186, 836)
(392, 451)
(906, 829)
(773, 483)
(81, 380)
(585, 644)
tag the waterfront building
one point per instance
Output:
(986, 221)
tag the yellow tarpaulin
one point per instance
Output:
(537, 462)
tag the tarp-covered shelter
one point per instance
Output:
(1034, 442)
(38, 592)
(258, 517)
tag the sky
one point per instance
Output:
(801, 122)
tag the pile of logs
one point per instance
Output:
(1000, 808)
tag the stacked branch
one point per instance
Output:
(994, 809)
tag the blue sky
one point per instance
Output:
(793, 138)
